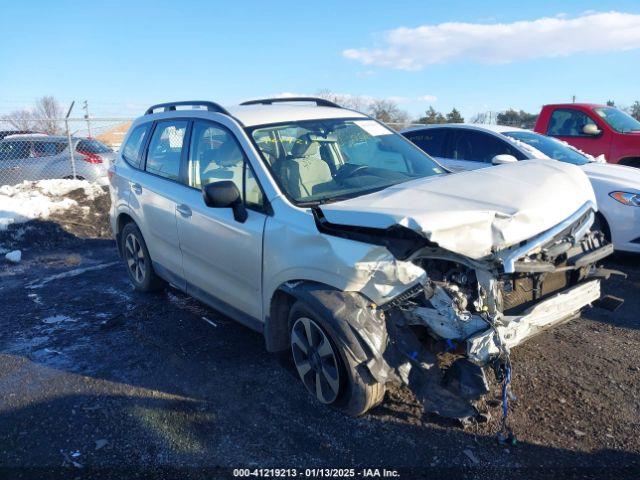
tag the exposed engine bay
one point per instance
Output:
(475, 311)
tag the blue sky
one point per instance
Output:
(125, 55)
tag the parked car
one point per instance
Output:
(40, 156)
(594, 129)
(6, 133)
(349, 247)
(466, 147)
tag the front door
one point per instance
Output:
(222, 257)
(566, 124)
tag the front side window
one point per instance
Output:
(10, 150)
(431, 140)
(568, 123)
(319, 161)
(477, 146)
(215, 155)
(165, 149)
(551, 147)
(618, 120)
(132, 149)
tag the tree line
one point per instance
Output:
(41, 118)
(46, 110)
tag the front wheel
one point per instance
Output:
(326, 367)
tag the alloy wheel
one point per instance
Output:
(135, 257)
(315, 360)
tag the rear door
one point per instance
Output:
(222, 256)
(155, 193)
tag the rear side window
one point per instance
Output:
(165, 149)
(132, 150)
(48, 149)
(430, 140)
(568, 123)
(477, 146)
(92, 146)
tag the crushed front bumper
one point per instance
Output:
(513, 330)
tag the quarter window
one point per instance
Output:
(568, 123)
(165, 149)
(132, 150)
(214, 155)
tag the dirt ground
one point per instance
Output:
(96, 378)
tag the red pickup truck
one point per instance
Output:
(594, 129)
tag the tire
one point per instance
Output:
(138, 261)
(326, 367)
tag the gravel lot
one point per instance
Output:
(96, 377)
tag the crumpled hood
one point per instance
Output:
(476, 212)
(614, 176)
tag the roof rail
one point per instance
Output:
(320, 102)
(171, 106)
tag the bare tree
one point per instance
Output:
(46, 114)
(20, 119)
(354, 102)
(387, 111)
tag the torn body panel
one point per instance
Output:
(483, 307)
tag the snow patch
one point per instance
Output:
(14, 257)
(57, 319)
(30, 200)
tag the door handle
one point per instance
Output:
(183, 210)
(137, 188)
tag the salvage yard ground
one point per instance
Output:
(94, 375)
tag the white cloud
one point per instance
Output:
(416, 48)
(428, 98)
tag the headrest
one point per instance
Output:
(226, 155)
(304, 147)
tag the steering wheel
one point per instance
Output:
(349, 170)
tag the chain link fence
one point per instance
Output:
(59, 149)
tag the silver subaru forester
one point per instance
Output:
(352, 249)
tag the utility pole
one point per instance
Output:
(86, 116)
(573, 99)
(66, 123)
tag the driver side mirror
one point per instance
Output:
(591, 129)
(225, 194)
(503, 158)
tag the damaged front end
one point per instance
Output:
(466, 314)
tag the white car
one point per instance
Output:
(352, 249)
(469, 146)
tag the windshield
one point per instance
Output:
(551, 147)
(618, 120)
(319, 161)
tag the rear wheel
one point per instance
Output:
(137, 259)
(326, 367)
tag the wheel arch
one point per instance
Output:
(332, 303)
(122, 219)
(630, 161)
